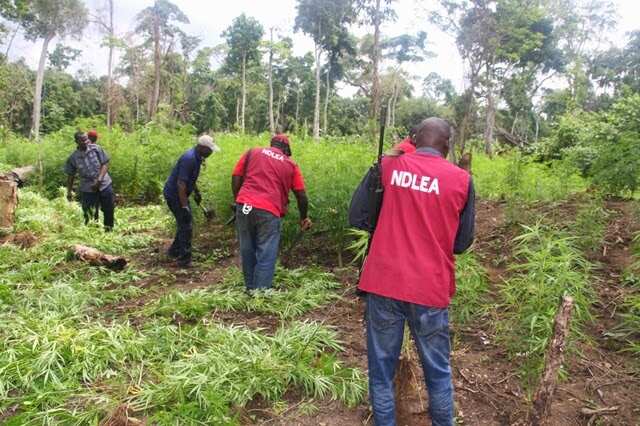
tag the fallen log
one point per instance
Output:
(543, 397)
(9, 183)
(97, 258)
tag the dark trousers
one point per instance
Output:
(104, 200)
(429, 327)
(259, 235)
(181, 246)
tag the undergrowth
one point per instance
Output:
(549, 266)
(470, 301)
(294, 293)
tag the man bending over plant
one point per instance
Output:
(91, 163)
(177, 189)
(261, 183)
(427, 215)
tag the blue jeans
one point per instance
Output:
(181, 246)
(259, 236)
(104, 200)
(429, 327)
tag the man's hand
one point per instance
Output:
(197, 197)
(69, 196)
(96, 185)
(306, 224)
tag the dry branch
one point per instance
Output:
(553, 360)
(97, 258)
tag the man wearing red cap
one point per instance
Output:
(93, 136)
(407, 145)
(261, 183)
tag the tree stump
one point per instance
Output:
(8, 203)
(9, 183)
(97, 258)
(555, 354)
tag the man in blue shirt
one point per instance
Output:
(179, 186)
(91, 163)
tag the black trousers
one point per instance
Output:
(104, 200)
(181, 246)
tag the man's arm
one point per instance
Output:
(197, 196)
(70, 180)
(303, 208)
(182, 194)
(360, 205)
(70, 170)
(104, 167)
(236, 184)
(237, 176)
(466, 229)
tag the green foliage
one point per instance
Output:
(590, 224)
(603, 146)
(514, 176)
(234, 365)
(472, 286)
(294, 293)
(549, 266)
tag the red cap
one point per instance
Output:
(280, 137)
(92, 134)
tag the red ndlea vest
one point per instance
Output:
(269, 178)
(411, 257)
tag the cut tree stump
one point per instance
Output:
(543, 397)
(97, 258)
(9, 183)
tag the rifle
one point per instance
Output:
(375, 182)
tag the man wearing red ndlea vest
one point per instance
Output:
(427, 215)
(261, 183)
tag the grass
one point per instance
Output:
(549, 266)
(295, 292)
(472, 287)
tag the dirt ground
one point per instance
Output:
(487, 388)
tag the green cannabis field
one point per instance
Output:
(152, 344)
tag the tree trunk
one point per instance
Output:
(272, 124)
(244, 91)
(155, 98)
(9, 183)
(327, 93)
(298, 106)
(553, 360)
(375, 88)
(316, 109)
(238, 112)
(37, 97)
(490, 118)
(97, 258)
(110, 68)
(13, 36)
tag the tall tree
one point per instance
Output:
(107, 26)
(375, 13)
(496, 39)
(44, 20)
(326, 22)
(158, 22)
(243, 38)
(62, 56)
